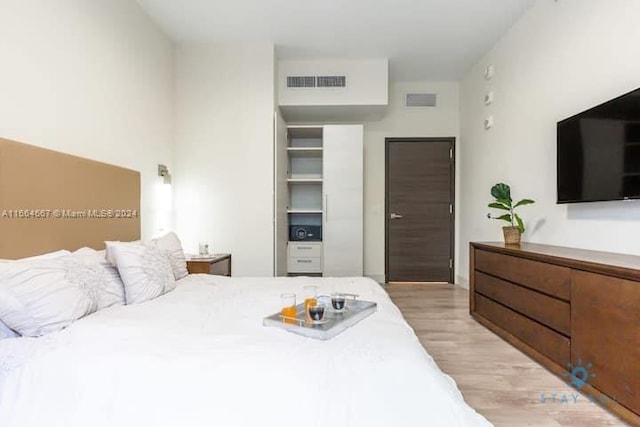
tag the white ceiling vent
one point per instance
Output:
(301, 81)
(421, 100)
(332, 81)
(316, 81)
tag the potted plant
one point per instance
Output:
(502, 194)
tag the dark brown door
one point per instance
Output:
(419, 209)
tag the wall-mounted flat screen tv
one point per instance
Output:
(599, 152)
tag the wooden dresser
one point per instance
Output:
(565, 308)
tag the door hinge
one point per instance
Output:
(450, 153)
(450, 263)
(450, 209)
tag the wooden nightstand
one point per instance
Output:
(219, 264)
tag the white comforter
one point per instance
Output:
(200, 356)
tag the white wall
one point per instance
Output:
(399, 121)
(223, 176)
(366, 82)
(559, 59)
(89, 78)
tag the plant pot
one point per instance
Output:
(511, 235)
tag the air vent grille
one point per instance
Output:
(332, 81)
(421, 100)
(301, 81)
(316, 81)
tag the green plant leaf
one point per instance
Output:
(520, 223)
(504, 202)
(524, 202)
(501, 191)
(505, 217)
(496, 205)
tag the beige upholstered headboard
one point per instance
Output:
(51, 200)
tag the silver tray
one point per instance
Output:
(334, 321)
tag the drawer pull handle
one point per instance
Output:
(306, 261)
(304, 247)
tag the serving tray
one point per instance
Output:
(334, 322)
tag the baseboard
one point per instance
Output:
(462, 281)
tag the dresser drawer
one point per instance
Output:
(305, 265)
(547, 310)
(544, 340)
(550, 279)
(305, 250)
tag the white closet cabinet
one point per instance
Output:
(281, 196)
(324, 181)
(343, 199)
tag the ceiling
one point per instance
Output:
(423, 39)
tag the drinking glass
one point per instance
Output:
(310, 295)
(288, 304)
(316, 312)
(338, 301)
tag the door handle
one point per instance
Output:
(395, 216)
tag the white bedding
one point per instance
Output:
(199, 356)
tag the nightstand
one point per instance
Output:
(219, 264)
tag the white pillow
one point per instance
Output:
(48, 255)
(145, 271)
(90, 254)
(97, 276)
(41, 296)
(170, 244)
(109, 256)
(6, 332)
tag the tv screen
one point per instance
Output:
(599, 152)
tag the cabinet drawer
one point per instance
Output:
(544, 340)
(305, 250)
(605, 329)
(547, 310)
(305, 265)
(550, 279)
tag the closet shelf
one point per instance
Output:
(304, 211)
(305, 151)
(304, 180)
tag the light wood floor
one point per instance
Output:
(497, 380)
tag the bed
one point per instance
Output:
(199, 355)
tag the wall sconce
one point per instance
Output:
(163, 172)
(164, 200)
